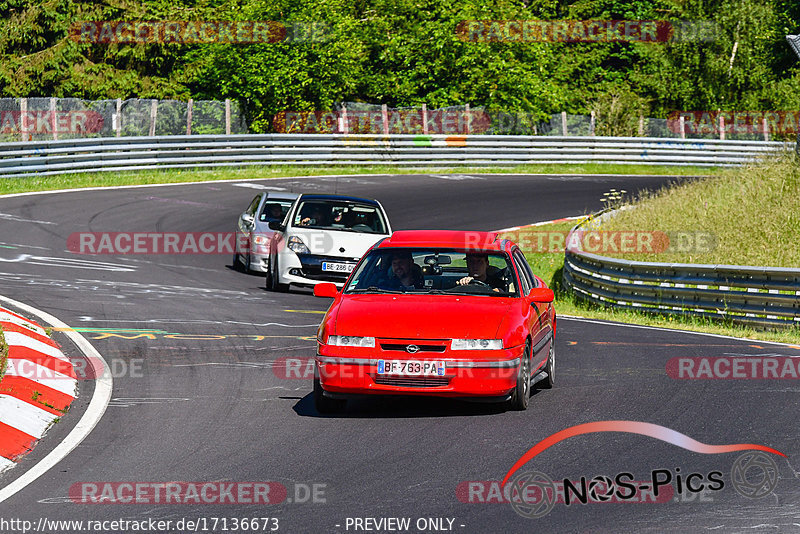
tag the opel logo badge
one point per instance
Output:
(412, 349)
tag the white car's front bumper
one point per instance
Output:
(306, 269)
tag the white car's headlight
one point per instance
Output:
(295, 244)
(476, 344)
(260, 239)
(351, 341)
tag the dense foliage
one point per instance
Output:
(406, 52)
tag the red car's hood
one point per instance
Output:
(420, 316)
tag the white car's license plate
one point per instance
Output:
(411, 368)
(337, 267)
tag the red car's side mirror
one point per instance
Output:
(327, 289)
(541, 294)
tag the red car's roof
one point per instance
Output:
(445, 238)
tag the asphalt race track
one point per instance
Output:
(200, 390)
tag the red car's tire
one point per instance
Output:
(549, 368)
(522, 391)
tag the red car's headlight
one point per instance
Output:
(351, 341)
(476, 344)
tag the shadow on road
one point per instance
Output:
(400, 407)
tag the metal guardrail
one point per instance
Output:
(755, 296)
(41, 158)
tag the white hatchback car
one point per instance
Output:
(322, 239)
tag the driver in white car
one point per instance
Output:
(479, 269)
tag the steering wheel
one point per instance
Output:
(479, 283)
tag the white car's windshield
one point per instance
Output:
(434, 271)
(340, 215)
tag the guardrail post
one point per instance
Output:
(766, 128)
(227, 116)
(641, 125)
(23, 122)
(53, 118)
(385, 117)
(189, 117)
(469, 119)
(119, 117)
(682, 122)
(721, 127)
(591, 123)
(153, 111)
(424, 119)
(564, 123)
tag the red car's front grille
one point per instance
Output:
(413, 381)
(422, 348)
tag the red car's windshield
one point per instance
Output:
(434, 271)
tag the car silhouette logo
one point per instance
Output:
(412, 349)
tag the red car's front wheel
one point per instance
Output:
(522, 391)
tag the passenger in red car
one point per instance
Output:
(479, 269)
(405, 274)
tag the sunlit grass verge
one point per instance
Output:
(549, 267)
(166, 176)
(752, 215)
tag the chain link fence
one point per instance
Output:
(40, 119)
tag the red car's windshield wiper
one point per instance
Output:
(374, 289)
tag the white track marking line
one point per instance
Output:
(18, 339)
(94, 412)
(24, 416)
(9, 217)
(541, 223)
(259, 186)
(42, 375)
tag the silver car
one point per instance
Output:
(252, 232)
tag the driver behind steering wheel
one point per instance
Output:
(479, 270)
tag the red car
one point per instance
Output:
(438, 313)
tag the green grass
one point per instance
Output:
(752, 215)
(165, 176)
(549, 267)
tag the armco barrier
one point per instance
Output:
(43, 158)
(755, 296)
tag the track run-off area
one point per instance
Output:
(210, 389)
